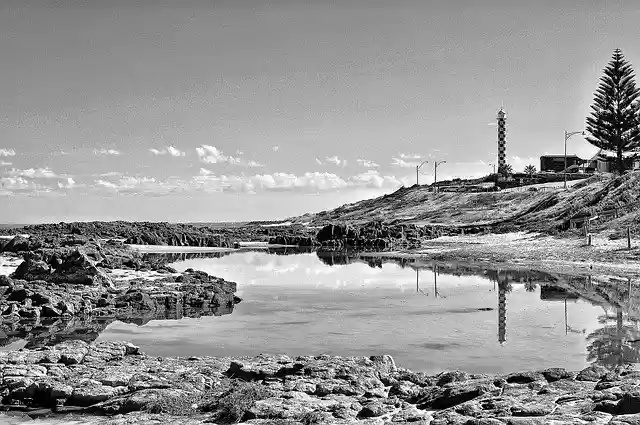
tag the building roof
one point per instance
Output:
(559, 156)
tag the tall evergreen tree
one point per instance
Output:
(613, 124)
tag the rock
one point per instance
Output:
(524, 377)
(372, 410)
(630, 403)
(449, 377)
(22, 244)
(555, 374)
(91, 392)
(592, 373)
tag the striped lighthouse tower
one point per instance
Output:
(502, 138)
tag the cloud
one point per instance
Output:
(135, 185)
(208, 181)
(275, 148)
(33, 173)
(239, 152)
(332, 160)
(367, 163)
(168, 150)
(19, 186)
(7, 152)
(212, 155)
(410, 156)
(104, 151)
(2, 163)
(373, 179)
(70, 183)
(397, 162)
(16, 183)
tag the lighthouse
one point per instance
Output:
(502, 139)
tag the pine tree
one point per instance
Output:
(613, 123)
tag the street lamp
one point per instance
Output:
(418, 168)
(435, 174)
(568, 134)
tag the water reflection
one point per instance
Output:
(616, 343)
(485, 319)
(51, 331)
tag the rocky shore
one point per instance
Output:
(115, 378)
(77, 285)
(70, 287)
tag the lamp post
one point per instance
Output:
(435, 174)
(418, 168)
(568, 134)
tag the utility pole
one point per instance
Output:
(566, 137)
(417, 169)
(435, 174)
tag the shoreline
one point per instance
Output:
(566, 255)
(117, 380)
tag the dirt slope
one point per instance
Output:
(531, 210)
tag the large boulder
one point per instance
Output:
(22, 244)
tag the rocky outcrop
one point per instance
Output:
(30, 301)
(375, 235)
(116, 378)
(303, 241)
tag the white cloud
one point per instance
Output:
(107, 184)
(104, 151)
(16, 183)
(410, 156)
(20, 186)
(171, 150)
(7, 152)
(68, 184)
(332, 160)
(212, 155)
(373, 179)
(275, 148)
(239, 152)
(397, 162)
(367, 163)
(208, 181)
(2, 163)
(33, 173)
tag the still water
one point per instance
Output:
(428, 318)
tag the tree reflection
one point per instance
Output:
(616, 343)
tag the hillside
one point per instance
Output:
(531, 210)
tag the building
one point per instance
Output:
(555, 163)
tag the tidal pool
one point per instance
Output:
(429, 318)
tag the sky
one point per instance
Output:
(253, 109)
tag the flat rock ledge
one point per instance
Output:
(113, 382)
